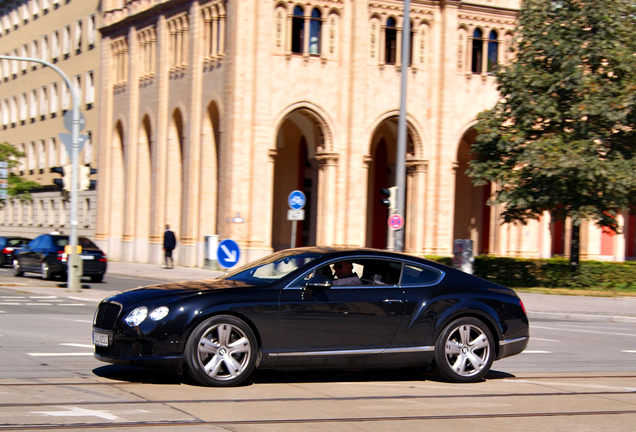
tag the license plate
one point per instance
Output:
(100, 339)
(87, 257)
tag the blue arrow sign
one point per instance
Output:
(228, 253)
(296, 200)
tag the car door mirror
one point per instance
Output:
(318, 282)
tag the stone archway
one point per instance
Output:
(174, 177)
(298, 161)
(472, 218)
(117, 192)
(145, 190)
(209, 195)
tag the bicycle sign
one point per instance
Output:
(296, 200)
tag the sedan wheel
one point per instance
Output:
(46, 271)
(464, 350)
(17, 271)
(221, 351)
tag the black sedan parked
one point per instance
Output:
(46, 255)
(8, 246)
(289, 310)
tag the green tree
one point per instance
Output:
(18, 187)
(563, 135)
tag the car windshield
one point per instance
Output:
(272, 267)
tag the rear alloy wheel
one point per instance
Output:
(464, 351)
(17, 270)
(46, 271)
(221, 351)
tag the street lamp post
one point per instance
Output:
(73, 271)
(400, 159)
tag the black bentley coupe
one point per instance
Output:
(294, 309)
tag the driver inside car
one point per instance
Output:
(345, 274)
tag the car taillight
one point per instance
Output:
(103, 258)
(523, 308)
(7, 250)
(61, 256)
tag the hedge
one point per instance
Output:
(552, 273)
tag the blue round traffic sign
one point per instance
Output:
(228, 253)
(296, 200)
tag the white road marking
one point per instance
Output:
(12, 297)
(585, 331)
(59, 354)
(78, 412)
(38, 304)
(544, 340)
(629, 351)
(84, 299)
(550, 383)
(78, 345)
(536, 352)
(10, 304)
(42, 297)
(82, 321)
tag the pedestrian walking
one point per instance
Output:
(169, 243)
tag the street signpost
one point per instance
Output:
(296, 201)
(4, 179)
(73, 125)
(228, 253)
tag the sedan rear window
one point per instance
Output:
(418, 276)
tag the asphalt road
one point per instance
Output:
(573, 376)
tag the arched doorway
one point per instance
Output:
(117, 192)
(174, 178)
(472, 214)
(298, 139)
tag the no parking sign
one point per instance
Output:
(396, 221)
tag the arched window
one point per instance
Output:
(493, 50)
(298, 24)
(390, 41)
(478, 51)
(315, 26)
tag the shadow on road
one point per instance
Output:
(149, 376)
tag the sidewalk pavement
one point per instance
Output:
(576, 308)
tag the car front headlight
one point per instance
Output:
(159, 313)
(137, 316)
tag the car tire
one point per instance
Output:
(221, 351)
(17, 269)
(464, 351)
(97, 278)
(46, 271)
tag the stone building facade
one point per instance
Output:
(213, 111)
(33, 100)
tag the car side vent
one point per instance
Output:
(107, 315)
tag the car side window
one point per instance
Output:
(419, 276)
(370, 271)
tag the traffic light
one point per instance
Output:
(66, 172)
(391, 197)
(85, 181)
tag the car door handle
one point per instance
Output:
(392, 301)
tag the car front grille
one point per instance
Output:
(107, 314)
(127, 349)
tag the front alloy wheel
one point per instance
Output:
(221, 351)
(464, 351)
(17, 270)
(46, 271)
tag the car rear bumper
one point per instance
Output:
(512, 347)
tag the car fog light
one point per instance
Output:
(136, 317)
(159, 313)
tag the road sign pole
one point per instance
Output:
(293, 237)
(400, 160)
(73, 273)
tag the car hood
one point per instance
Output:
(175, 290)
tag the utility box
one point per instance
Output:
(210, 246)
(463, 258)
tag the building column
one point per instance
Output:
(326, 221)
(416, 170)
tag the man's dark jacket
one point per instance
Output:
(169, 240)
